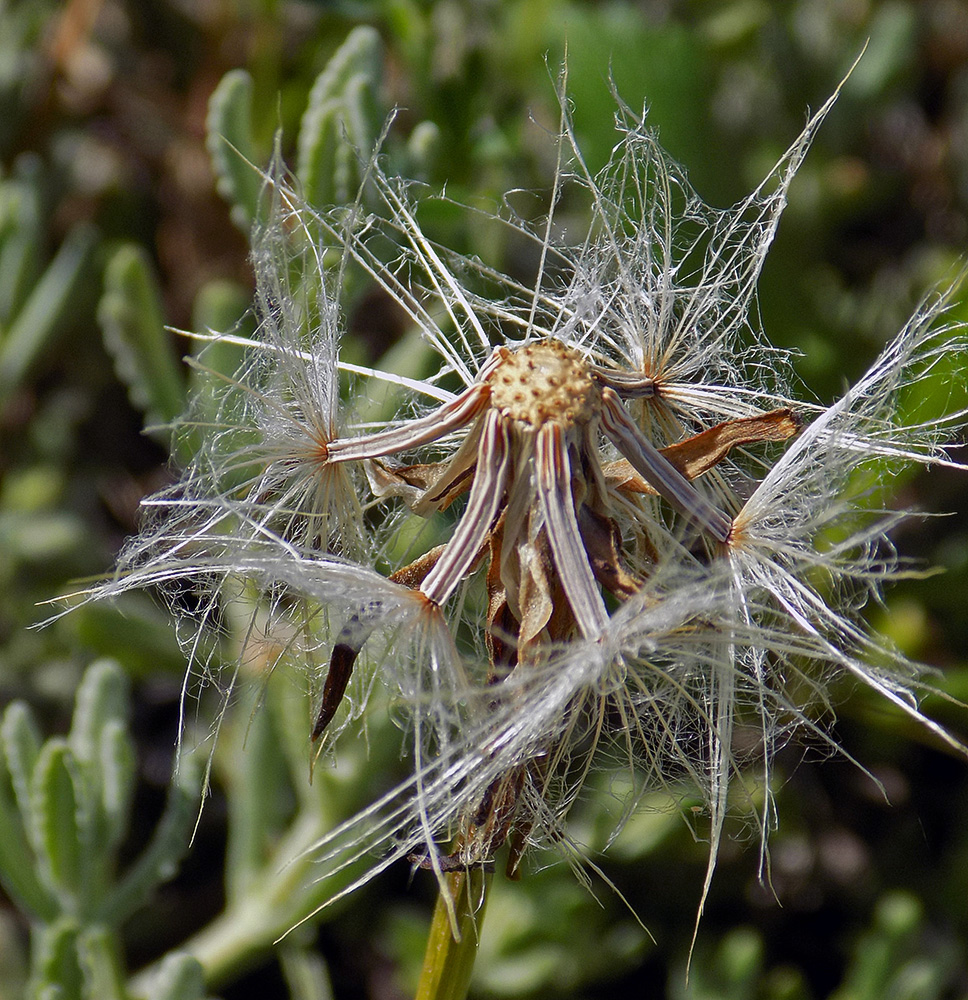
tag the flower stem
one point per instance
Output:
(449, 960)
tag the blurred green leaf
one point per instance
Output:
(231, 146)
(21, 747)
(100, 965)
(50, 309)
(116, 759)
(21, 236)
(59, 816)
(341, 122)
(180, 977)
(888, 963)
(102, 698)
(133, 326)
(56, 973)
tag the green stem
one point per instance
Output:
(247, 929)
(449, 959)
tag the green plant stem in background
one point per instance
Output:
(448, 962)
(241, 935)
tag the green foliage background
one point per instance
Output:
(112, 225)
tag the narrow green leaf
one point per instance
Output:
(102, 697)
(340, 121)
(232, 148)
(423, 149)
(882, 951)
(221, 306)
(412, 356)
(356, 136)
(49, 310)
(102, 748)
(360, 54)
(21, 744)
(17, 864)
(116, 759)
(133, 326)
(21, 747)
(21, 237)
(180, 977)
(100, 962)
(359, 97)
(319, 140)
(56, 807)
(133, 627)
(13, 959)
(55, 971)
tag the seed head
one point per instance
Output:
(545, 382)
(635, 566)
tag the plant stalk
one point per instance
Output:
(449, 958)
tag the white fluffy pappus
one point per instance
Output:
(652, 550)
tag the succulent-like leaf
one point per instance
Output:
(360, 53)
(17, 869)
(103, 748)
(21, 747)
(341, 121)
(59, 815)
(258, 780)
(55, 971)
(423, 148)
(306, 973)
(179, 977)
(116, 760)
(220, 306)
(51, 306)
(100, 964)
(232, 148)
(102, 697)
(896, 958)
(133, 327)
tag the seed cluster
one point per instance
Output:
(545, 382)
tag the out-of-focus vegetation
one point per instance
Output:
(123, 211)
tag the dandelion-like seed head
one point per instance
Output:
(635, 499)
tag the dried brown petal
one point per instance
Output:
(603, 541)
(696, 455)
